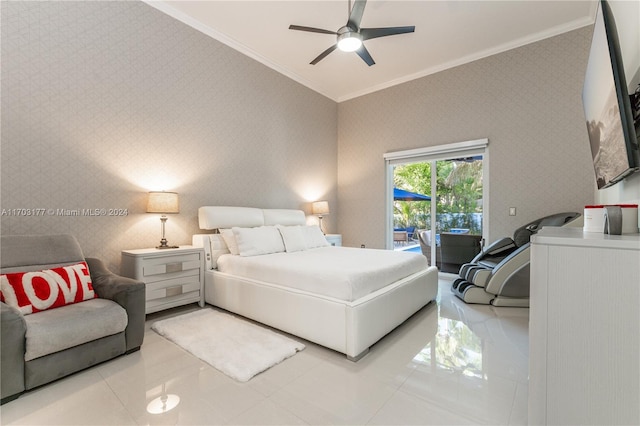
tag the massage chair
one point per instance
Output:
(499, 274)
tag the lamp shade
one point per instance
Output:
(320, 208)
(163, 202)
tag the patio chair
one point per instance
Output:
(458, 249)
(401, 237)
(424, 237)
(411, 233)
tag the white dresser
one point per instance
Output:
(584, 329)
(173, 277)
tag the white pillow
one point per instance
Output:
(257, 241)
(313, 237)
(293, 238)
(230, 239)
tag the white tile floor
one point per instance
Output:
(450, 363)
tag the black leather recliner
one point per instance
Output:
(499, 275)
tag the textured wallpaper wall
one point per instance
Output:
(104, 101)
(526, 101)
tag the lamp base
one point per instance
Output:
(164, 245)
(163, 241)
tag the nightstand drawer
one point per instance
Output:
(170, 264)
(149, 269)
(169, 288)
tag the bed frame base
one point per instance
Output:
(347, 327)
(359, 356)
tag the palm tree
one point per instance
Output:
(459, 184)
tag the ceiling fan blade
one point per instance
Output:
(369, 33)
(355, 17)
(364, 54)
(323, 54)
(311, 29)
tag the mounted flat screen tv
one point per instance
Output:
(607, 105)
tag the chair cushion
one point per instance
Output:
(36, 291)
(58, 329)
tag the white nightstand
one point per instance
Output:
(173, 277)
(334, 239)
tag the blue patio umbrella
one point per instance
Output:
(402, 195)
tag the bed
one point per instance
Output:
(269, 266)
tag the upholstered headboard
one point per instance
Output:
(223, 217)
(217, 217)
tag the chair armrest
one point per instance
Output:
(127, 292)
(13, 330)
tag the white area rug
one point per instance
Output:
(234, 346)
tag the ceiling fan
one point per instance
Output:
(351, 36)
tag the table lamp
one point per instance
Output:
(320, 209)
(163, 203)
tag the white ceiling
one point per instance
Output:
(448, 33)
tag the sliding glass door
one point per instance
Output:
(446, 195)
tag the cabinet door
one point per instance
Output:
(593, 330)
(538, 335)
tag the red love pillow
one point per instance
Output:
(36, 291)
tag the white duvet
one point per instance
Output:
(344, 273)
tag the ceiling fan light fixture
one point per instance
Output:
(349, 41)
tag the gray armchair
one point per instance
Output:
(41, 347)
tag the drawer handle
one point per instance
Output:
(174, 291)
(174, 267)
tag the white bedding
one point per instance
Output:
(343, 273)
